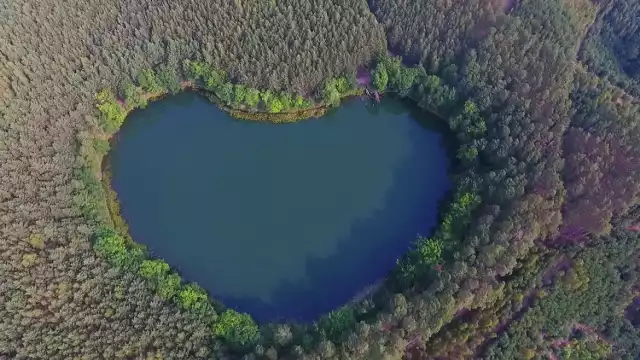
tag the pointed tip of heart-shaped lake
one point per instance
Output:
(281, 221)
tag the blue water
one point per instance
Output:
(283, 221)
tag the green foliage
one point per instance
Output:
(115, 250)
(272, 102)
(225, 93)
(193, 297)
(36, 241)
(458, 215)
(153, 269)
(398, 77)
(584, 305)
(52, 63)
(390, 74)
(434, 95)
(168, 286)
(335, 324)
(252, 97)
(380, 77)
(237, 329)
(548, 151)
(604, 118)
(335, 89)
(405, 79)
(105, 96)
(113, 113)
(612, 49)
(467, 152)
(266, 96)
(132, 95)
(274, 105)
(101, 146)
(430, 250)
(330, 95)
(300, 103)
(286, 101)
(168, 79)
(213, 79)
(239, 94)
(470, 129)
(85, 198)
(193, 70)
(148, 81)
(586, 350)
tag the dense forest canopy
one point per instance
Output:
(612, 47)
(536, 254)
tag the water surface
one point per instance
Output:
(283, 221)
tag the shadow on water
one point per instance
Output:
(368, 252)
(331, 281)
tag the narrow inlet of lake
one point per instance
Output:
(283, 221)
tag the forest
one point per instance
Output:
(536, 252)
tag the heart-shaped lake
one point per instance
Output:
(282, 221)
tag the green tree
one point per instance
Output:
(299, 102)
(430, 250)
(336, 323)
(153, 269)
(252, 97)
(148, 81)
(239, 94)
(380, 77)
(225, 93)
(274, 105)
(286, 101)
(266, 96)
(115, 250)
(169, 80)
(168, 286)
(113, 113)
(467, 152)
(132, 95)
(193, 297)
(238, 329)
(213, 78)
(193, 70)
(405, 79)
(330, 93)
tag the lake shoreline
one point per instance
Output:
(120, 223)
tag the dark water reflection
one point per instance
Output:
(281, 221)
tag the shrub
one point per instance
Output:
(337, 322)
(168, 286)
(113, 248)
(148, 81)
(132, 95)
(193, 297)
(236, 328)
(252, 97)
(380, 77)
(239, 94)
(117, 250)
(430, 250)
(153, 269)
(113, 113)
(168, 79)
